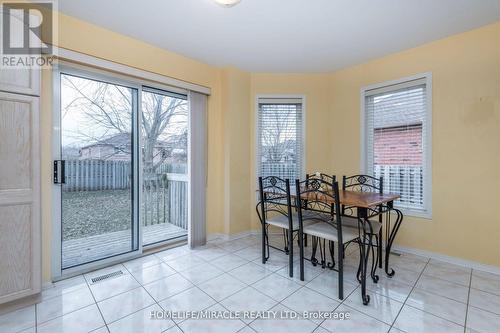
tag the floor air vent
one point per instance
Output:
(106, 276)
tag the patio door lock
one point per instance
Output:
(59, 172)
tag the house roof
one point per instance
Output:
(115, 140)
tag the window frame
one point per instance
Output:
(427, 154)
(303, 129)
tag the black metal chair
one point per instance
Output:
(366, 183)
(277, 210)
(329, 178)
(323, 222)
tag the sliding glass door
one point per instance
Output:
(164, 165)
(96, 170)
(121, 158)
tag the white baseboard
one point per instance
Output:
(215, 236)
(449, 259)
(47, 285)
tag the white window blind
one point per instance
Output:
(397, 145)
(280, 138)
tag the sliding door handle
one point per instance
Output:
(59, 172)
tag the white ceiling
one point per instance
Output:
(286, 35)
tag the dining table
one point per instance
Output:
(368, 205)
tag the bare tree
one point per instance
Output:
(106, 109)
(278, 133)
(160, 112)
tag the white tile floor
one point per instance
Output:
(424, 296)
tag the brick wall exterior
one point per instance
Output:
(398, 145)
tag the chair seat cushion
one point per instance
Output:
(281, 221)
(352, 222)
(329, 232)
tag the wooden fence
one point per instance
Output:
(164, 197)
(94, 175)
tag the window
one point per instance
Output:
(397, 141)
(280, 136)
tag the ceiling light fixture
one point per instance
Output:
(227, 3)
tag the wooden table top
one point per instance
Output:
(365, 199)
(352, 198)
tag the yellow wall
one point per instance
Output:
(236, 111)
(466, 131)
(465, 139)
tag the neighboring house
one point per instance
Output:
(118, 148)
(70, 153)
(397, 141)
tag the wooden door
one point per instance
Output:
(20, 249)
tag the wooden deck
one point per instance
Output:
(82, 250)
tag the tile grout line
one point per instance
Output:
(156, 302)
(36, 317)
(197, 285)
(340, 304)
(67, 313)
(468, 298)
(279, 302)
(446, 297)
(253, 283)
(95, 301)
(413, 288)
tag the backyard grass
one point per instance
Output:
(92, 213)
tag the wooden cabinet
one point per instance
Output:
(20, 81)
(20, 230)
(20, 225)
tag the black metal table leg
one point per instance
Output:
(391, 235)
(362, 216)
(379, 243)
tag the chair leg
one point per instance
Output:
(341, 270)
(301, 255)
(264, 243)
(373, 272)
(290, 252)
(285, 240)
(322, 253)
(379, 245)
(314, 240)
(331, 248)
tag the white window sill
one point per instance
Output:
(424, 214)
